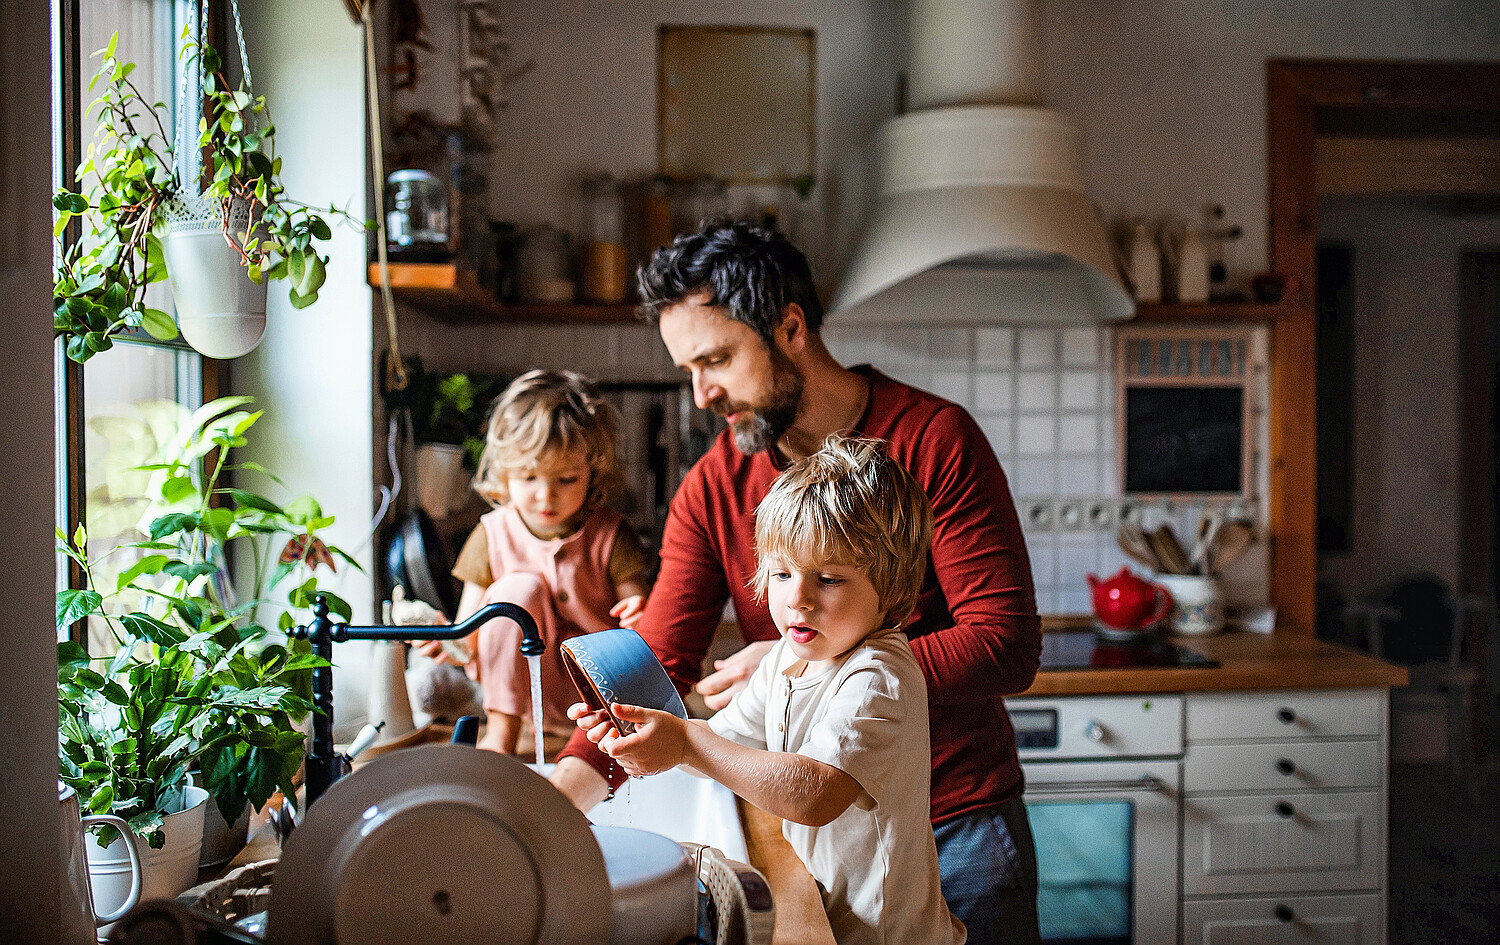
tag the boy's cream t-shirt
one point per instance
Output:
(867, 716)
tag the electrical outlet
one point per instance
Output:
(1130, 513)
(1100, 515)
(1070, 515)
(1037, 515)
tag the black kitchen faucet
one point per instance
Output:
(322, 764)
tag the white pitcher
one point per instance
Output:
(80, 923)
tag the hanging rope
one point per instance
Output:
(396, 374)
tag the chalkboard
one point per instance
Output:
(1184, 439)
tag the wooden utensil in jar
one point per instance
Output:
(1132, 540)
(1231, 541)
(1169, 550)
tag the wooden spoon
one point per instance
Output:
(1137, 547)
(1232, 540)
(1170, 550)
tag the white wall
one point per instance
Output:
(1406, 397)
(29, 861)
(312, 374)
(1171, 93)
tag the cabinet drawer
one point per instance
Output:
(1284, 766)
(1282, 843)
(1259, 716)
(1292, 920)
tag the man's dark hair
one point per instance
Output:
(753, 272)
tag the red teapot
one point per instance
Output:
(1126, 602)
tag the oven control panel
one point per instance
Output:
(1097, 727)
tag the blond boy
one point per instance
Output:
(831, 733)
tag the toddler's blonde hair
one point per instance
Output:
(544, 412)
(849, 504)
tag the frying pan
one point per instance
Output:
(411, 552)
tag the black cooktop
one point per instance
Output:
(1087, 649)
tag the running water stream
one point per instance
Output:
(535, 663)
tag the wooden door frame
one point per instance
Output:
(1295, 90)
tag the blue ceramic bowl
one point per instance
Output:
(618, 666)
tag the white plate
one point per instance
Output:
(441, 844)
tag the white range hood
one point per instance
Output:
(982, 216)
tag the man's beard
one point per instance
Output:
(766, 424)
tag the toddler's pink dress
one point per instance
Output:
(564, 584)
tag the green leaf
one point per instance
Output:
(188, 572)
(251, 500)
(319, 228)
(215, 523)
(71, 655)
(172, 523)
(159, 324)
(304, 509)
(147, 627)
(176, 488)
(150, 564)
(74, 605)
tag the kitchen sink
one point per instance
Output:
(676, 805)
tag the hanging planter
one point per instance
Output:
(211, 214)
(221, 312)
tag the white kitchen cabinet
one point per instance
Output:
(1285, 920)
(1284, 807)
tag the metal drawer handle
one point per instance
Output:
(1285, 914)
(1283, 809)
(1146, 782)
(1285, 766)
(1287, 716)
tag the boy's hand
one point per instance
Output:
(659, 742)
(628, 610)
(595, 725)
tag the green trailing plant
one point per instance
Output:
(453, 408)
(129, 176)
(199, 679)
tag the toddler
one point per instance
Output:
(550, 545)
(831, 732)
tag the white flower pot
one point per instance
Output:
(220, 311)
(222, 841)
(165, 872)
(443, 484)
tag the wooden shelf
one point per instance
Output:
(450, 294)
(1211, 311)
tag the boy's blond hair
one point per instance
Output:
(849, 504)
(544, 412)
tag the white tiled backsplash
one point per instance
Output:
(1044, 397)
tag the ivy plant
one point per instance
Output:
(199, 678)
(128, 177)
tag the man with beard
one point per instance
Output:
(736, 308)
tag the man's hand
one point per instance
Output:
(659, 742)
(628, 610)
(732, 674)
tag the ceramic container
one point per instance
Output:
(1197, 604)
(79, 922)
(222, 313)
(618, 666)
(164, 872)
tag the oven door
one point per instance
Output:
(1106, 837)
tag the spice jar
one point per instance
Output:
(604, 270)
(656, 213)
(544, 266)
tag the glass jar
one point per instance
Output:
(544, 266)
(603, 266)
(656, 214)
(698, 200)
(416, 219)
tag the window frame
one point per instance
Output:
(69, 81)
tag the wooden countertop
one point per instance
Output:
(1247, 661)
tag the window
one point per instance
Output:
(118, 410)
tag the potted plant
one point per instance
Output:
(451, 411)
(199, 679)
(218, 234)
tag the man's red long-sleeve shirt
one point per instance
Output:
(975, 631)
